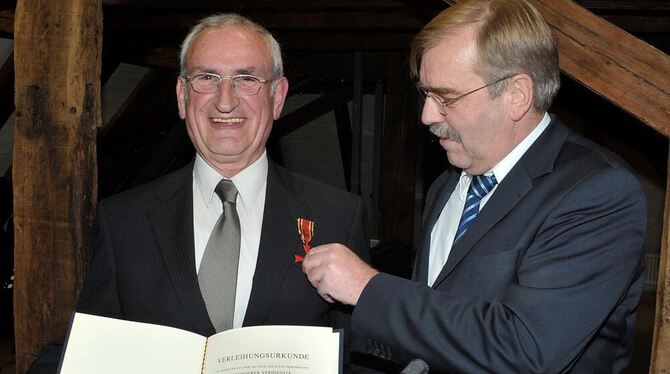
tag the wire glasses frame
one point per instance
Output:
(243, 84)
(444, 102)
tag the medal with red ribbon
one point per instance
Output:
(306, 231)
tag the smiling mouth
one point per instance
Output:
(227, 121)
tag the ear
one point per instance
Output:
(181, 97)
(521, 96)
(281, 89)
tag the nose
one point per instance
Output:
(226, 99)
(430, 113)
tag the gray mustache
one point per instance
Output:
(444, 132)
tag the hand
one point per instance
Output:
(337, 273)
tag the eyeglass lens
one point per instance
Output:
(244, 85)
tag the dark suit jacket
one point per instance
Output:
(546, 279)
(143, 268)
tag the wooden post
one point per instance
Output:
(660, 350)
(57, 62)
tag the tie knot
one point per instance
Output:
(483, 184)
(226, 191)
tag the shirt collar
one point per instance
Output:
(249, 182)
(506, 164)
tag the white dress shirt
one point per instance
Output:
(251, 183)
(444, 231)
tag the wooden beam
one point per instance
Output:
(611, 62)
(161, 50)
(244, 4)
(272, 18)
(660, 350)
(57, 59)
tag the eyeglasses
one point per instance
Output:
(243, 84)
(445, 102)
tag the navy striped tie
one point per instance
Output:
(480, 186)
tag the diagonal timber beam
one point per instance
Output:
(616, 65)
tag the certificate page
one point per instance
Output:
(274, 350)
(107, 345)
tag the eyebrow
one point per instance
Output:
(442, 91)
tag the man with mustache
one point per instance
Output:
(531, 259)
(156, 242)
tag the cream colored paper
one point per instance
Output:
(273, 350)
(107, 345)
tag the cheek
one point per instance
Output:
(262, 109)
(191, 107)
(196, 115)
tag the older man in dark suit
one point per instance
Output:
(532, 259)
(215, 245)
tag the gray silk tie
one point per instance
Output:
(218, 269)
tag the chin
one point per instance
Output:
(457, 163)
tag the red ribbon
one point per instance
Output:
(306, 232)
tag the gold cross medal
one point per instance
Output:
(306, 232)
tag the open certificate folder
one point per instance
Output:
(107, 345)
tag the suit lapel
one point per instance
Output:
(537, 161)
(278, 244)
(172, 223)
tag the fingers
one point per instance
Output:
(327, 248)
(324, 295)
(315, 276)
(320, 257)
(313, 271)
(315, 265)
(337, 273)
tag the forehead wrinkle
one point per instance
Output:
(247, 70)
(430, 81)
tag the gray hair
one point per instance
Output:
(232, 19)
